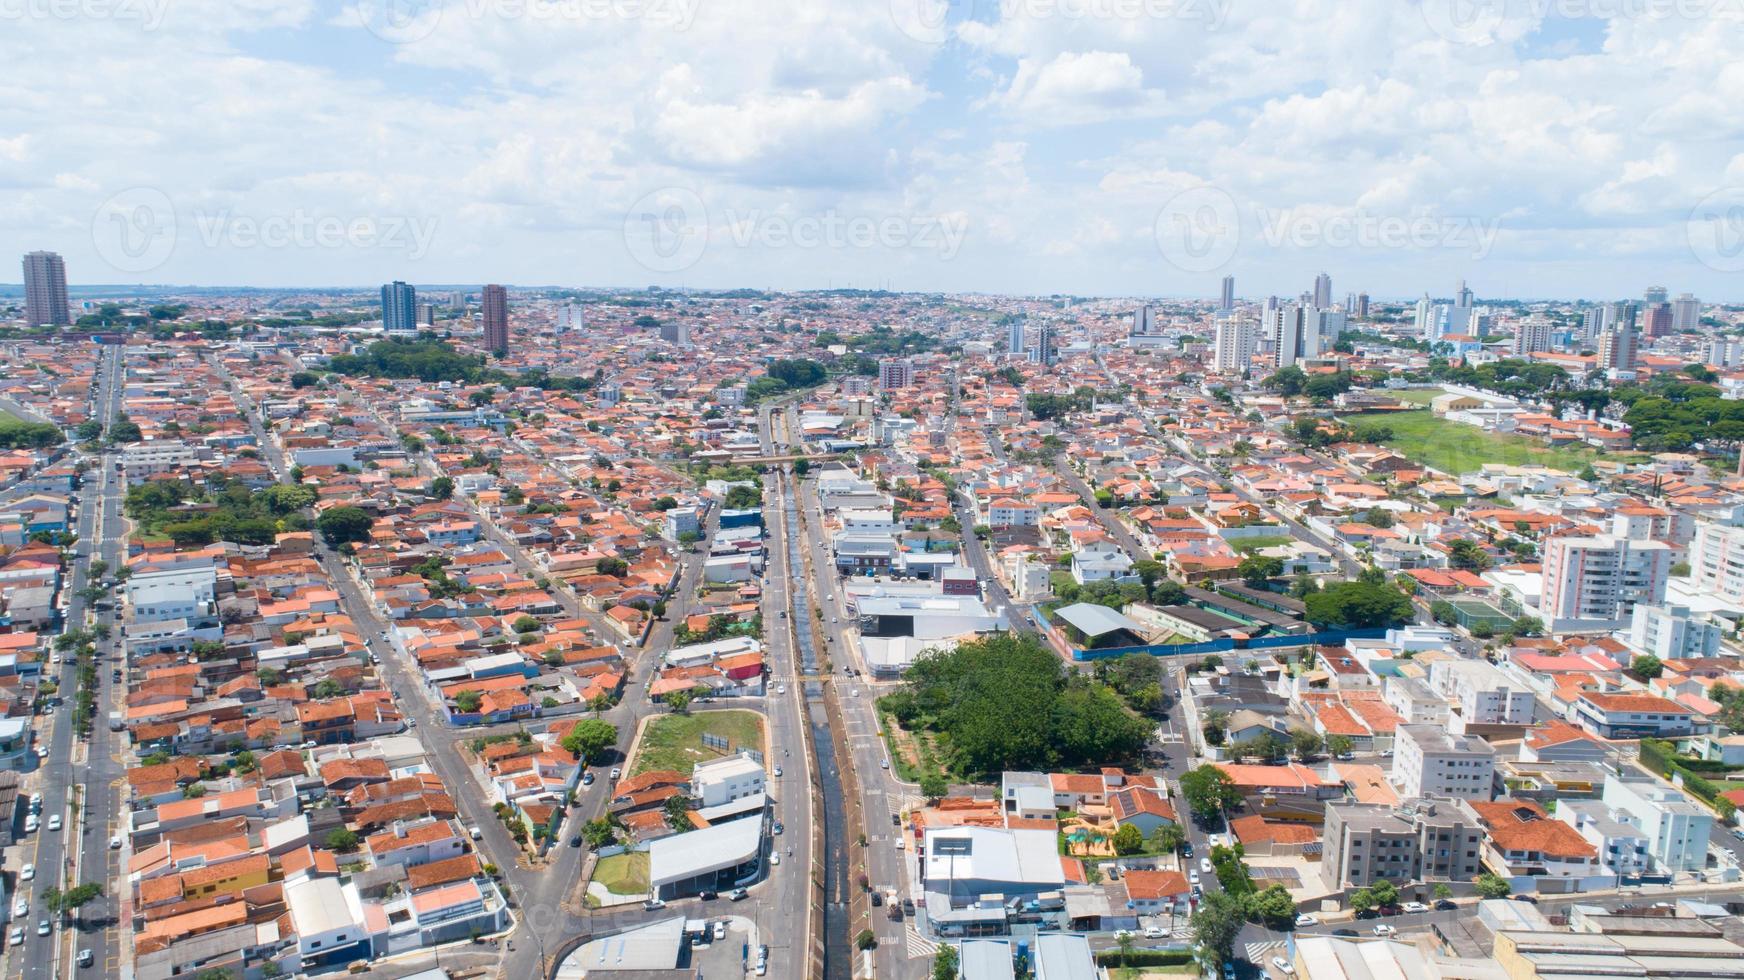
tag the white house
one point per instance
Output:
(725, 780)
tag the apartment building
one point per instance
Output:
(1484, 693)
(1672, 632)
(1417, 840)
(1595, 582)
(1677, 829)
(1432, 761)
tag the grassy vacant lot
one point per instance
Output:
(1416, 396)
(1455, 448)
(624, 874)
(675, 741)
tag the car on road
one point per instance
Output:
(781, 689)
(1444, 905)
(31, 824)
(54, 822)
(1414, 907)
(1304, 921)
(21, 908)
(1346, 933)
(738, 895)
(774, 859)
(42, 927)
(884, 763)
(1186, 848)
(777, 829)
(36, 803)
(115, 842)
(42, 752)
(616, 773)
(475, 833)
(1283, 966)
(1193, 877)
(777, 772)
(1204, 866)
(15, 937)
(1367, 914)
(1228, 970)
(1156, 932)
(587, 779)
(85, 958)
(653, 905)
(27, 873)
(575, 841)
(1382, 929)
(720, 929)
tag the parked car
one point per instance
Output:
(1156, 932)
(1304, 921)
(1444, 905)
(85, 958)
(27, 873)
(15, 937)
(706, 896)
(653, 905)
(1346, 933)
(42, 927)
(1204, 866)
(1367, 914)
(720, 929)
(1193, 877)
(1382, 929)
(1414, 907)
(575, 841)
(21, 908)
(587, 779)
(616, 772)
(54, 822)
(1283, 966)
(738, 895)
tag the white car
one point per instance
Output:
(1304, 921)
(15, 937)
(1204, 866)
(31, 824)
(777, 772)
(1192, 877)
(900, 844)
(1414, 907)
(1156, 932)
(21, 908)
(1283, 966)
(115, 843)
(1384, 930)
(27, 873)
(54, 822)
(774, 859)
(42, 927)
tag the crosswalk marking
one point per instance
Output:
(919, 947)
(1257, 952)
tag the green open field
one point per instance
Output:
(1455, 448)
(675, 741)
(624, 874)
(1416, 396)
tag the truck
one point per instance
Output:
(116, 721)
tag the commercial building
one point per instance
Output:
(496, 319)
(962, 866)
(1635, 716)
(1417, 840)
(399, 302)
(1431, 761)
(725, 855)
(45, 290)
(720, 781)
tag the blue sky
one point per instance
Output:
(1575, 148)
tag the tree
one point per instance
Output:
(1256, 570)
(1339, 745)
(1442, 891)
(1358, 605)
(525, 624)
(342, 525)
(1490, 886)
(1646, 667)
(342, 841)
(945, 962)
(934, 786)
(304, 379)
(1128, 839)
(1149, 571)
(598, 833)
(1385, 892)
(468, 702)
(1208, 791)
(678, 701)
(1273, 907)
(1216, 923)
(1467, 555)
(88, 430)
(1169, 837)
(1306, 743)
(441, 488)
(589, 738)
(1363, 899)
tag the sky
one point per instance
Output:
(1534, 148)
